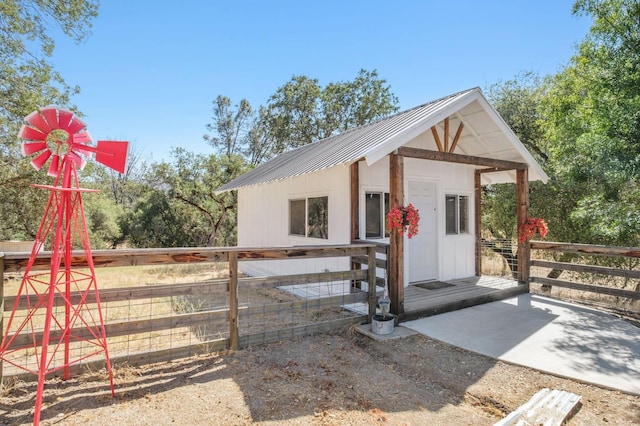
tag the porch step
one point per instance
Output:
(440, 306)
(547, 407)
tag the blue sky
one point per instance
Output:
(151, 70)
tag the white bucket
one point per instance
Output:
(382, 325)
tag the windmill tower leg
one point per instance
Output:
(63, 224)
(56, 133)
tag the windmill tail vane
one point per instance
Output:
(58, 135)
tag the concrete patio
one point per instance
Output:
(560, 338)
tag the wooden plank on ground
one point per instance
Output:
(547, 407)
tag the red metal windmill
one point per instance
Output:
(64, 323)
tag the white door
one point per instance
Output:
(422, 247)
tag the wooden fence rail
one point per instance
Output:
(590, 250)
(228, 307)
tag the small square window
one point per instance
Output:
(309, 217)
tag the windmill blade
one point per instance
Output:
(112, 154)
(79, 161)
(75, 125)
(36, 120)
(54, 167)
(39, 161)
(81, 144)
(51, 115)
(64, 119)
(32, 148)
(82, 138)
(30, 133)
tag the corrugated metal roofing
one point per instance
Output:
(374, 140)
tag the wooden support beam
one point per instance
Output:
(396, 239)
(355, 201)
(436, 137)
(522, 208)
(233, 302)
(456, 138)
(446, 134)
(426, 154)
(1, 307)
(371, 282)
(478, 221)
(492, 170)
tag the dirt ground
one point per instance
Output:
(330, 379)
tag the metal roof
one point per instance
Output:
(376, 140)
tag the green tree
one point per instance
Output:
(518, 102)
(230, 128)
(301, 111)
(102, 215)
(28, 80)
(180, 207)
(593, 125)
(157, 220)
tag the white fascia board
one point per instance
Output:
(403, 137)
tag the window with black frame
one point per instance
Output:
(309, 217)
(456, 214)
(376, 210)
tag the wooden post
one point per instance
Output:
(478, 221)
(355, 201)
(354, 185)
(522, 197)
(1, 308)
(395, 261)
(233, 301)
(371, 279)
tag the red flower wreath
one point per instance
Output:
(404, 219)
(530, 227)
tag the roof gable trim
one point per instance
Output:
(400, 139)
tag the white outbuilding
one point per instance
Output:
(337, 190)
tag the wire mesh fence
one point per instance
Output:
(606, 277)
(172, 310)
(499, 257)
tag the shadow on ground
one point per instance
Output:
(300, 378)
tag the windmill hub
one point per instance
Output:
(58, 141)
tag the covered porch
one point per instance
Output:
(433, 297)
(410, 300)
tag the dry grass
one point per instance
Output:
(494, 265)
(273, 311)
(118, 311)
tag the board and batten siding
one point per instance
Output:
(455, 253)
(263, 215)
(263, 220)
